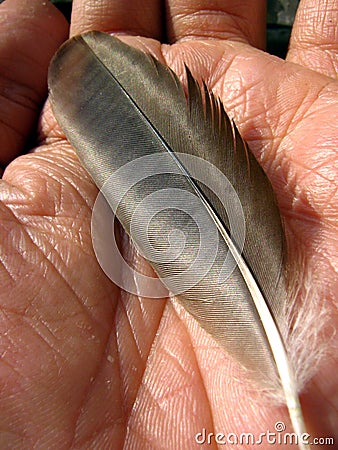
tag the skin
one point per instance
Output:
(84, 365)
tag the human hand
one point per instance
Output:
(86, 365)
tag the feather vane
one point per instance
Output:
(117, 104)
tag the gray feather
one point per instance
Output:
(116, 104)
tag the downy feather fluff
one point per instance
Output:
(116, 104)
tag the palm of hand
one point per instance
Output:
(85, 364)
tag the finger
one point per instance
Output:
(219, 19)
(135, 17)
(314, 40)
(30, 32)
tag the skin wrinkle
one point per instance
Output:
(7, 270)
(315, 169)
(127, 390)
(57, 271)
(139, 437)
(36, 223)
(27, 377)
(91, 385)
(95, 440)
(234, 21)
(55, 257)
(303, 241)
(142, 386)
(30, 97)
(90, 16)
(13, 276)
(31, 61)
(22, 61)
(290, 125)
(143, 358)
(163, 397)
(311, 221)
(57, 356)
(199, 373)
(22, 100)
(131, 31)
(233, 384)
(116, 420)
(145, 383)
(310, 171)
(11, 367)
(296, 112)
(304, 45)
(23, 252)
(313, 40)
(210, 33)
(125, 395)
(327, 399)
(47, 168)
(331, 65)
(226, 65)
(222, 64)
(158, 399)
(37, 218)
(121, 305)
(318, 28)
(31, 314)
(177, 363)
(312, 113)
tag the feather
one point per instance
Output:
(116, 105)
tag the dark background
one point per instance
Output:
(280, 17)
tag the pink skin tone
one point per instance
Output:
(85, 365)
